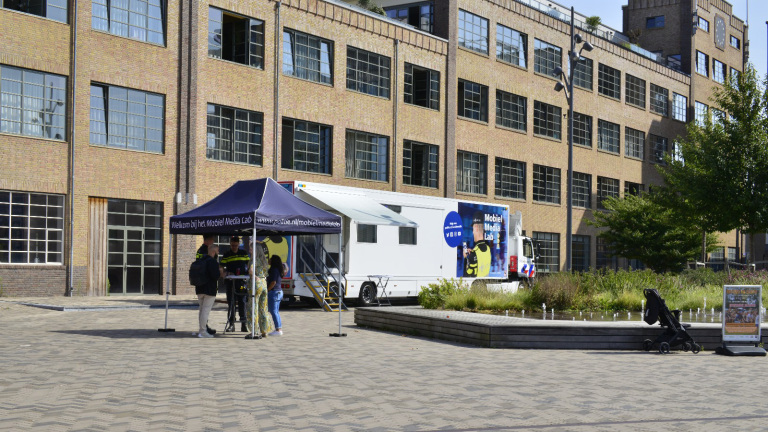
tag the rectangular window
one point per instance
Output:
(702, 63)
(735, 42)
(718, 116)
(510, 178)
(32, 103)
(235, 38)
(548, 246)
(471, 169)
(306, 146)
(703, 24)
(142, 20)
(582, 73)
(582, 190)
(634, 143)
(702, 112)
(547, 120)
(51, 9)
(605, 259)
(608, 136)
(546, 184)
(546, 58)
(634, 189)
(654, 22)
(609, 81)
(679, 107)
(422, 87)
(732, 255)
(660, 148)
(511, 110)
(735, 74)
(368, 72)
(473, 100)
(126, 118)
(511, 46)
(307, 57)
(580, 252)
(606, 188)
(675, 62)
(659, 100)
(473, 32)
(234, 135)
(420, 164)
(582, 130)
(407, 235)
(718, 71)
(419, 15)
(31, 228)
(366, 233)
(367, 156)
(635, 94)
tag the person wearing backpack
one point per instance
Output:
(206, 293)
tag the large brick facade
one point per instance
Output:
(182, 71)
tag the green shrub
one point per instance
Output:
(433, 296)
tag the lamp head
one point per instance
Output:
(578, 38)
(559, 86)
(587, 46)
(558, 71)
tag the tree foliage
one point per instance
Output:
(721, 173)
(639, 228)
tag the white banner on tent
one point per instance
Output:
(741, 313)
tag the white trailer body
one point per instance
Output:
(411, 240)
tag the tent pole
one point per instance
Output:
(253, 280)
(341, 286)
(168, 285)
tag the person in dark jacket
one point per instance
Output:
(235, 262)
(202, 251)
(206, 294)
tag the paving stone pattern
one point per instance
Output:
(112, 370)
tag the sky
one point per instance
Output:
(609, 12)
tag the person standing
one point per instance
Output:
(235, 262)
(262, 321)
(202, 251)
(275, 292)
(206, 294)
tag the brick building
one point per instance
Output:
(111, 112)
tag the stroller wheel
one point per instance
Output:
(696, 348)
(664, 348)
(647, 344)
(687, 346)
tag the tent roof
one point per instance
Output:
(275, 210)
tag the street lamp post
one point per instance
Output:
(573, 58)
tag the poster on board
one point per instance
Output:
(482, 252)
(741, 313)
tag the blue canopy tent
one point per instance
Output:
(248, 207)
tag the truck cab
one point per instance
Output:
(522, 253)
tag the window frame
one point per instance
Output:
(608, 136)
(660, 148)
(702, 63)
(292, 63)
(432, 97)
(582, 130)
(475, 23)
(635, 92)
(359, 79)
(548, 246)
(609, 81)
(607, 187)
(634, 143)
(517, 108)
(103, 13)
(547, 184)
(510, 179)
(472, 99)
(24, 215)
(324, 144)
(362, 144)
(655, 22)
(110, 104)
(719, 76)
(659, 100)
(737, 45)
(35, 96)
(234, 133)
(550, 125)
(431, 174)
(679, 107)
(546, 64)
(255, 51)
(581, 256)
(507, 41)
(583, 74)
(582, 190)
(465, 181)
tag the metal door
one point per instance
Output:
(125, 270)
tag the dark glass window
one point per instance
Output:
(735, 42)
(580, 252)
(660, 148)
(471, 169)
(634, 143)
(306, 146)
(718, 71)
(605, 257)
(635, 91)
(367, 156)
(546, 184)
(546, 57)
(609, 81)
(608, 136)
(31, 228)
(511, 110)
(606, 188)
(422, 87)
(366, 233)
(511, 46)
(702, 63)
(234, 135)
(419, 15)
(582, 130)
(142, 20)
(473, 100)
(127, 118)
(51, 9)
(33, 103)
(654, 22)
(704, 24)
(235, 38)
(582, 190)
(420, 164)
(548, 246)
(659, 100)
(547, 120)
(307, 57)
(582, 73)
(634, 189)
(510, 178)
(367, 72)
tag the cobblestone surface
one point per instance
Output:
(112, 370)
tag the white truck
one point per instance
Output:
(395, 243)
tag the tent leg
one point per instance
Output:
(254, 317)
(341, 288)
(168, 286)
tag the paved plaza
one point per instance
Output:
(112, 370)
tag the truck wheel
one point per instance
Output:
(367, 294)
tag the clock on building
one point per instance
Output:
(720, 32)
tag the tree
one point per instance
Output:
(721, 174)
(639, 228)
(593, 23)
(371, 6)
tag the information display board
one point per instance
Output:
(741, 313)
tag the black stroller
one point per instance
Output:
(674, 332)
